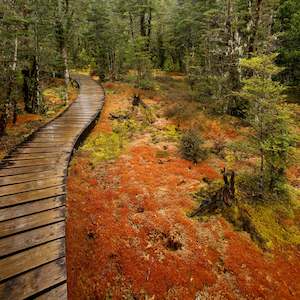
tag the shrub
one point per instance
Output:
(145, 84)
(190, 146)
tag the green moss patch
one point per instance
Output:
(104, 146)
(274, 223)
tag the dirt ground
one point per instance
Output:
(129, 234)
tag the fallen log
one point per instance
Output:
(119, 117)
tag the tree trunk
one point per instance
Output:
(3, 120)
(66, 73)
(142, 23)
(262, 158)
(61, 33)
(14, 67)
(36, 99)
(161, 50)
(232, 61)
(149, 29)
(26, 89)
(31, 88)
(256, 20)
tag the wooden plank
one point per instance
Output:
(8, 180)
(29, 239)
(44, 150)
(59, 292)
(48, 139)
(34, 281)
(32, 258)
(27, 156)
(76, 115)
(65, 129)
(33, 144)
(56, 128)
(30, 186)
(31, 208)
(31, 196)
(11, 163)
(26, 170)
(62, 124)
(73, 117)
(14, 226)
(60, 135)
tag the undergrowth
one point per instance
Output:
(270, 223)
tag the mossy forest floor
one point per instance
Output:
(129, 197)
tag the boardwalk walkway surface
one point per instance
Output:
(32, 202)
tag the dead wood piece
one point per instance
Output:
(137, 101)
(224, 197)
(119, 117)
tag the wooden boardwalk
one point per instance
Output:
(32, 202)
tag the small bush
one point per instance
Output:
(190, 146)
(171, 133)
(146, 84)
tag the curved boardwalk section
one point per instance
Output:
(32, 202)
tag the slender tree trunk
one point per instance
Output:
(149, 30)
(161, 49)
(26, 89)
(14, 67)
(67, 72)
(262, 157)
(255, 20)
(36, 103)
(37, 97)
(61, 37)
(3, 121)
(142, 23)
(131, 26)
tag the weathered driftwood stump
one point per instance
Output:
(137, 101)
(224, 197)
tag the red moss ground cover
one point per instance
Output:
(129, 236)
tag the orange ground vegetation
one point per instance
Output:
(129, 236)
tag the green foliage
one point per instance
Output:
(190, 146)
(126, 128)
(288, 23)
(262, 66)
(145, 84)
(267, 226)
(270, 120)
(172, 133)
